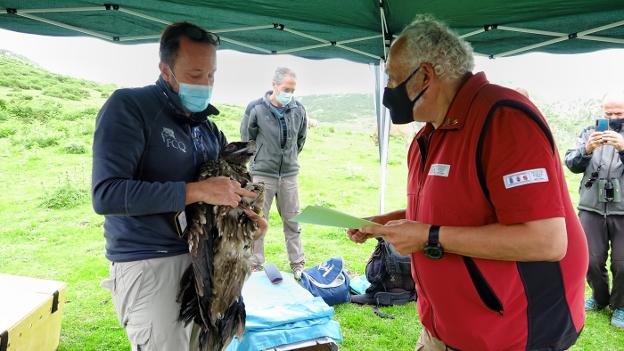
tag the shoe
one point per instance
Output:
(592, 305)
(297, 269)
(257, 268)
(617, 320)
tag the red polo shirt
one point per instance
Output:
(478, 304)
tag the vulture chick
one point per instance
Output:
(220, 241)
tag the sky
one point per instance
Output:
(244, 77)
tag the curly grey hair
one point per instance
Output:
(281, 72)
(429, 40)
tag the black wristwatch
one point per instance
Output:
(433, 249)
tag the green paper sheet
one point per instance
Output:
(325, 216)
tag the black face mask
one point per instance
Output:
(616, 124)
(399, 103)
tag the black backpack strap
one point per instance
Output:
(529, 113)
(484, 290)
(381, 314)
(398, 297)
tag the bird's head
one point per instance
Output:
(239, 152)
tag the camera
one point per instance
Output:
(609, 190)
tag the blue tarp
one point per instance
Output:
(283, 314)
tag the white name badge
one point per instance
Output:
(537, 175)
(439, 170)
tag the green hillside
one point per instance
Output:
(49, 230)
(340, 108)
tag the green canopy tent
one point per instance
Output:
(356, 30)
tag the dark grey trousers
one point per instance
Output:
(601, 232)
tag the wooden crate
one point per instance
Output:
(30, 313)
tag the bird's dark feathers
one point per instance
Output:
(220, 240)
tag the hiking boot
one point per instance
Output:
(617, 320)
(592, 305)
(257, 268)
(297, 269)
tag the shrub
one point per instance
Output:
(36, 135)
(29, 111)
(66, 195)
(67, 91)
(88, 113)
(7, 130)
(74, 148)
(38, 141)
(105, 90)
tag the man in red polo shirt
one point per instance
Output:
(498, 254)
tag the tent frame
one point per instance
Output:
(32, 14)
(383, 122)
(384, 36)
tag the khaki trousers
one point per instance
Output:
(144, 295)
(427, 342)
(286, 191)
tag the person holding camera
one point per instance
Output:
(599, 154)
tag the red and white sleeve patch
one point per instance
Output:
(531, 176)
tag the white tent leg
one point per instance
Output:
(383, 130)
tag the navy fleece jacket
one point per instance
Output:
(145, 150)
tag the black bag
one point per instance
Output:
(390, 276)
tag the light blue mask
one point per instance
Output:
(284, 98)
(195, 97)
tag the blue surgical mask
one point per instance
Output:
(284, 98)
(194, 97)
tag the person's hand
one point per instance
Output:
(406, 236)
(614, 138)
(263, 225)
(217, 191)
(358, 237)
(594, 141)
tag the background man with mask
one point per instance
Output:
(147, 148)
(278, 124)
(498, 254)
(600, 156)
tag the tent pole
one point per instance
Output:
(475, 32)
(383, 125)
(579, 35)
(559, 34)
(357, 51)
(303, 48)
(384, 28)
(138, 14)
(66, 26)
(347, 41)
(64, 9)
(383, 131)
